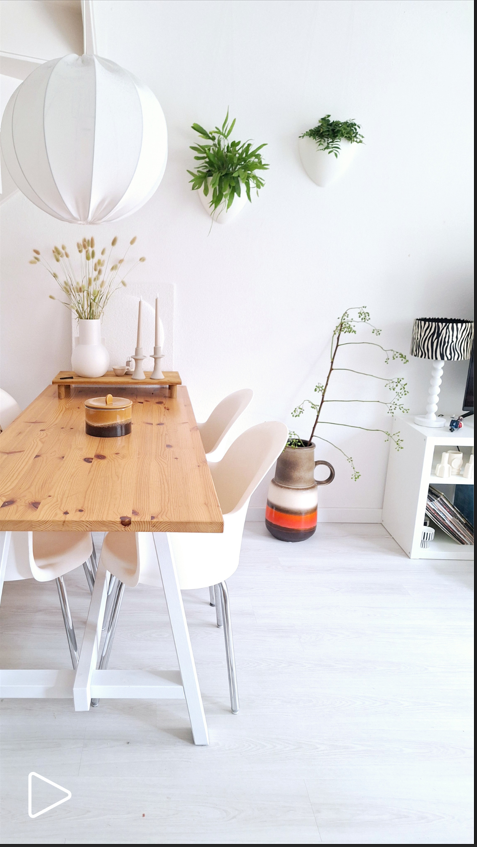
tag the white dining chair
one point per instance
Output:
(45, 556)
(213, 431)
(217, 425)
(201, 559)
(9, 409)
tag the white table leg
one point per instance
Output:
(182, 643)
(91, 639)
(4, 548)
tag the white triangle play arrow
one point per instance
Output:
(50, 782)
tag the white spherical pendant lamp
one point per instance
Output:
(84, 140)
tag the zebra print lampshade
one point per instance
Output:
(442, 339)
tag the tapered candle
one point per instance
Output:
(156, 339)
(138, 342)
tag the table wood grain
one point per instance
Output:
(55, 477)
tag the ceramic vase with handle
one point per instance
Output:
(90, 357)
(292, 504)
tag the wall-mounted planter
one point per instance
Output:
(222, 215)
(226, 163)
(321, 166)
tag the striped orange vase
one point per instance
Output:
(292, 504)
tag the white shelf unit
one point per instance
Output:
(410, 472)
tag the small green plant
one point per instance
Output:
(89, 283)
(347, 326)
(225, 166)
(328, 134)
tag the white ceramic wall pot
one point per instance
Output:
(90, 357)
(321, 166)
(223, 215)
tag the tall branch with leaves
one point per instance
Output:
(347, 326)
(89, 288)
(225, 166)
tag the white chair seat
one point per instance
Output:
(46, 555)
(201, 559)
(57, 553)
(119, 553)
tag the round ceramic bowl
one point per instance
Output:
(108, 417)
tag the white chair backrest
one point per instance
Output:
(20, 559)
(9, 409)
(119, 329)
(246, 462)
(214, 429)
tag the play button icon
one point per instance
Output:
(49, 782)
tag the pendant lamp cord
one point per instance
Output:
(89, 35)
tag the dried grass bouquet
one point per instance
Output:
(89, 289)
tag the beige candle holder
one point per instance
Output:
(157, 356)
(139, 370)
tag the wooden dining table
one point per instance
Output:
(55, 477)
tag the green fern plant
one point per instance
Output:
(226, 167)
(328, 134)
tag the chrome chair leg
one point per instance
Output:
(68, 621)
(89, 576)
(211, 595)
(111, 631)
(113, 588)
(229, 646)
(218, 605)
(94, 559)
(108, 641)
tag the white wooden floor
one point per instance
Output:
(354, 673)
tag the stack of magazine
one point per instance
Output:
(446, 517)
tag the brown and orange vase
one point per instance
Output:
(292, 504)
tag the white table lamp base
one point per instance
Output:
(430, 418)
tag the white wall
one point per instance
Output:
(256, 301)
(40, 29)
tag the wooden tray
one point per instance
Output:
(65, 379)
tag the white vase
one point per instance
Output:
(321, 166)
(223, 215)
(90, 357)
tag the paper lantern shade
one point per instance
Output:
(85, 140)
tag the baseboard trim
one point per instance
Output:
(256, 514)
